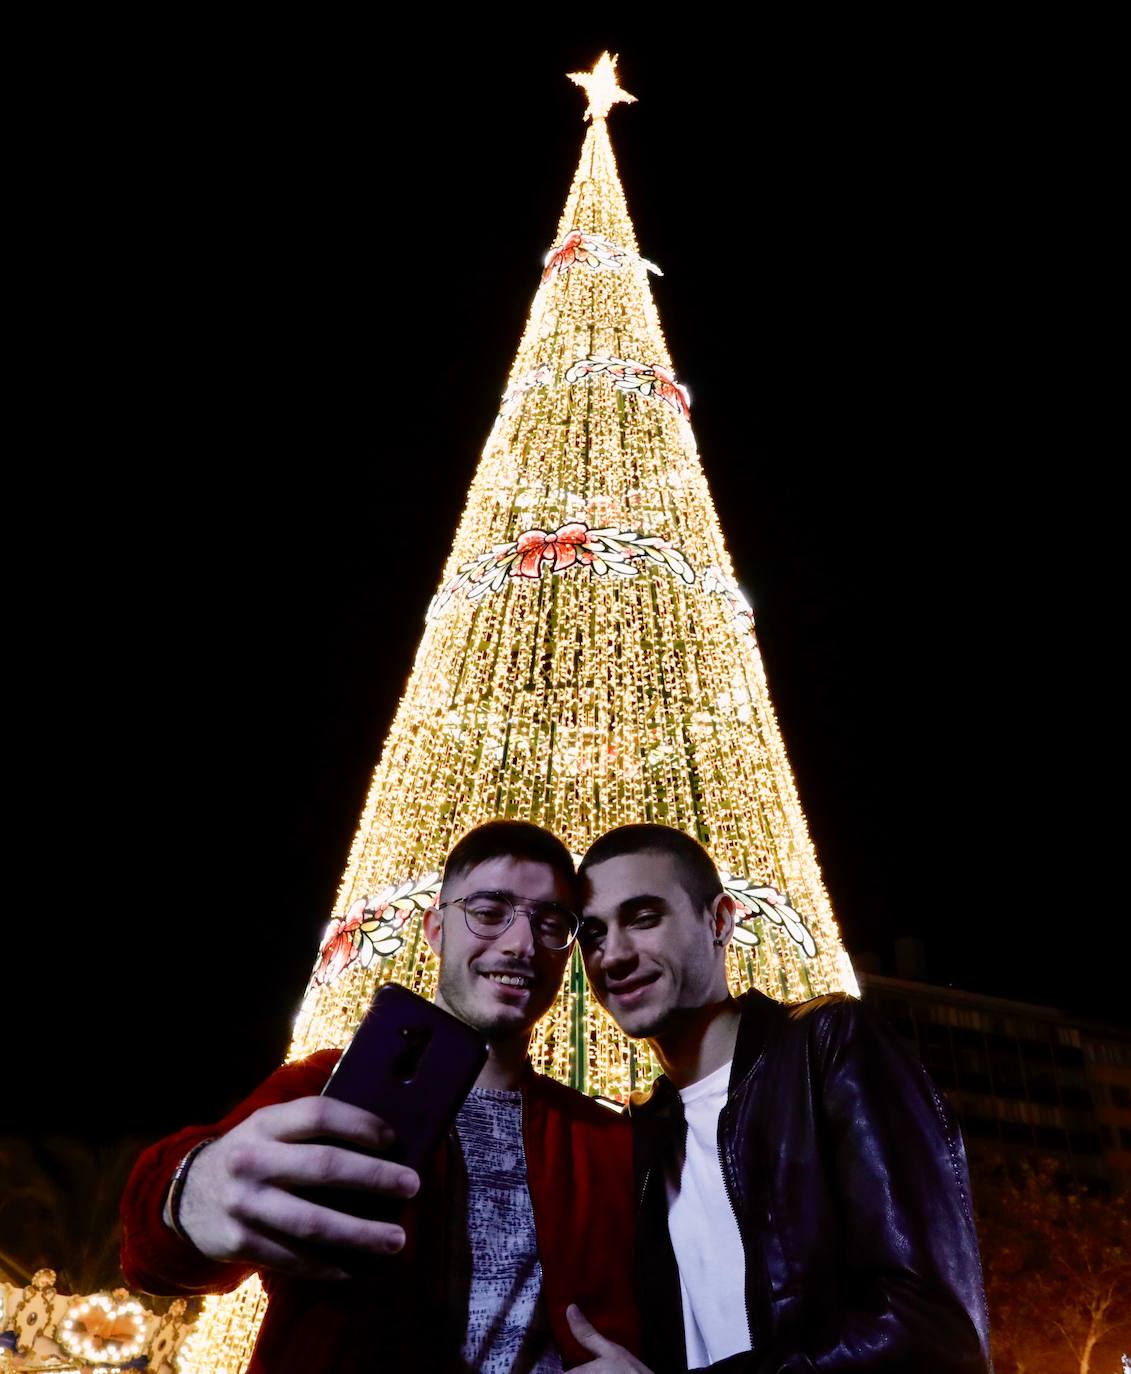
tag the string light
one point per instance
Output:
(576, 701)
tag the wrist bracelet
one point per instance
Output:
(177, 1188)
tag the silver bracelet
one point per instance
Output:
(177, 1187)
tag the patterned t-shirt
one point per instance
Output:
(507, 1331)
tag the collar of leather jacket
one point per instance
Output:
(761, 1017)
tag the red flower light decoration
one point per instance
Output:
(563, 257)
(562, 549)
(602, 552)
(372, 927)
(344, 943)
(591, 250)
(668, 389)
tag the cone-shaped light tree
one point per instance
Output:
(588, 661)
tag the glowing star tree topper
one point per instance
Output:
(600, 85)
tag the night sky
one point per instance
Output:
(280, 327)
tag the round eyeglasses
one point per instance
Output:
(488, 914)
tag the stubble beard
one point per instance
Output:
(458, 997)
(649, 1023)
(648, 1028)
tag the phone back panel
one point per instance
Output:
(411, 1064)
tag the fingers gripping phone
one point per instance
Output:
(411, 1064)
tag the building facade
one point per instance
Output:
(1023, 1079)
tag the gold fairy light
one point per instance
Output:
(587, 661)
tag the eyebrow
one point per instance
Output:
(631, 905)
(514, 896)
(644, 899)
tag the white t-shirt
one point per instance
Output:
(704, 1232)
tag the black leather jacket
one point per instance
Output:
(848, 1177)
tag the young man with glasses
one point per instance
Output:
(526, 1210)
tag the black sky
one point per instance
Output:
(283, 298)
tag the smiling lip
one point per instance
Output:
(628, 994)
(496, 978)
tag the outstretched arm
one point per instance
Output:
(243, 1204)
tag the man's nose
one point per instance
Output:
(618, 952)
(518, 938)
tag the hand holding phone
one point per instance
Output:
(258, 1194)
(411, 1064)
(313, 1187)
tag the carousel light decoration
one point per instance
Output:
(42, 1329)
(100, 1330)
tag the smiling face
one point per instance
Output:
(649, 948)
(501, 987)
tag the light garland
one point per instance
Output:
(578, 701)
(593, 251)
(622, 553)
(377, 926)
(644, 379)
(373, 926)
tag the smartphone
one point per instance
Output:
(411, 1064)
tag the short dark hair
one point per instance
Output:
(698, 874)
(511, 839)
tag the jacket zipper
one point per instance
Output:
(738, 1225)
(734, 1213)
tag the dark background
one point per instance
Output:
(279, 279)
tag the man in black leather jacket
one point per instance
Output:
(804, 1199)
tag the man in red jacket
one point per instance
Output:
(527, 1211)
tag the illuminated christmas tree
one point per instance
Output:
(587, 661)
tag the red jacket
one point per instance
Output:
(579, 1168)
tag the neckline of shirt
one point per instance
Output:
(703, 1087)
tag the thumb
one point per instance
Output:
(585, 1333)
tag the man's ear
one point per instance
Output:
(433, 922)
(723, 912)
